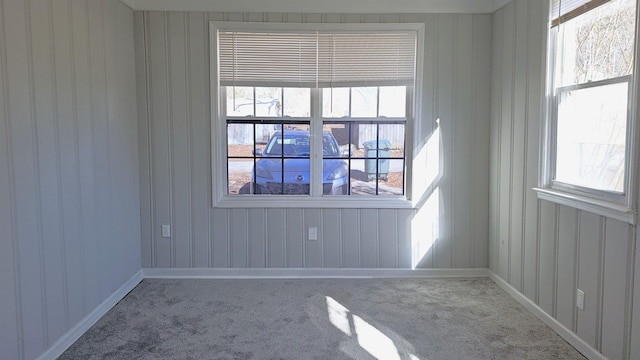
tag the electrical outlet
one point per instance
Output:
(580, 299)
(166, 231)
(313, 233)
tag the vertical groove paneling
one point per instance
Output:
(387, 233)
(48, 164)
(535, 67)
(314, 249)
(482, 132)
(176, 156)
(199, 131)
(30, 261)
(494, 140)
(548, 240)
(565, 260)
(444, 106)
(67, 99)
(518, 148)
(614, 292)
(11, 326)
(275, 229)
(332, 239)
(588, 277)
(180, 139)
(144, 138)
(463, 108)
(553, 250)
(368, 238)
(295, 238)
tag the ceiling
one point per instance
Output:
(322, 6)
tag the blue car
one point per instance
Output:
(284, 165)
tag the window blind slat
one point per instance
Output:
(316, 59)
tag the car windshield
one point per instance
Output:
(298, 145)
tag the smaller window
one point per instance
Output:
(588, 159)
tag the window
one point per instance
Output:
(311, 114)
(590, 127)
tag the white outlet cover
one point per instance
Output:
(166, 231)
(313, 233)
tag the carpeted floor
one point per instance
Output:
(411, 319)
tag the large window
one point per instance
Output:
(591, 105)
(312, 113)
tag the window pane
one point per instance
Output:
(591, 138)
(372, 165)
(269, 101)
(393, 101)
(297, 102)
(240, 147)
(239, 101)
(335, 102)
(364, 102)
(597, 45)
(284, 165)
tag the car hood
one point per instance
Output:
(297, 165)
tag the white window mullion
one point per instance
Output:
(316, 143)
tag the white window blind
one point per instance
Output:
(564, 10)
(310, 59)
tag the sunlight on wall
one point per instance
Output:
(425, 228)
(427, 167)
(369, 338)
(427, 172)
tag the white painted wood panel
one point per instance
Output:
(387, 233)
(369, 242)
(180, 135)
(535, 67)
(331, 239)
(295, 238)
(275, 229)
(257, 236)
(548, 245)
(480, 151)
(313, 252)
(614, 288)
(198, 99)
(175, 156)
(497, 37)
(445, 57)
(590, 245)
(10, 322)
(553, 250)
(68, 103)
(518, 109)
(566, 277)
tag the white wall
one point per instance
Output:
(174, 139)
(547, 251)
(69, 195)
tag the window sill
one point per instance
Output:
(338, 202)
(599, 207)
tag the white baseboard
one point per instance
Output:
(225, 273)
(88, 321)
(573, 339)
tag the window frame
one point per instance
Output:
(621, 206)
(219, 184)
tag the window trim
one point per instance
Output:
(620, 206)
(220, 198)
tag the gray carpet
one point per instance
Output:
(411, 319)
